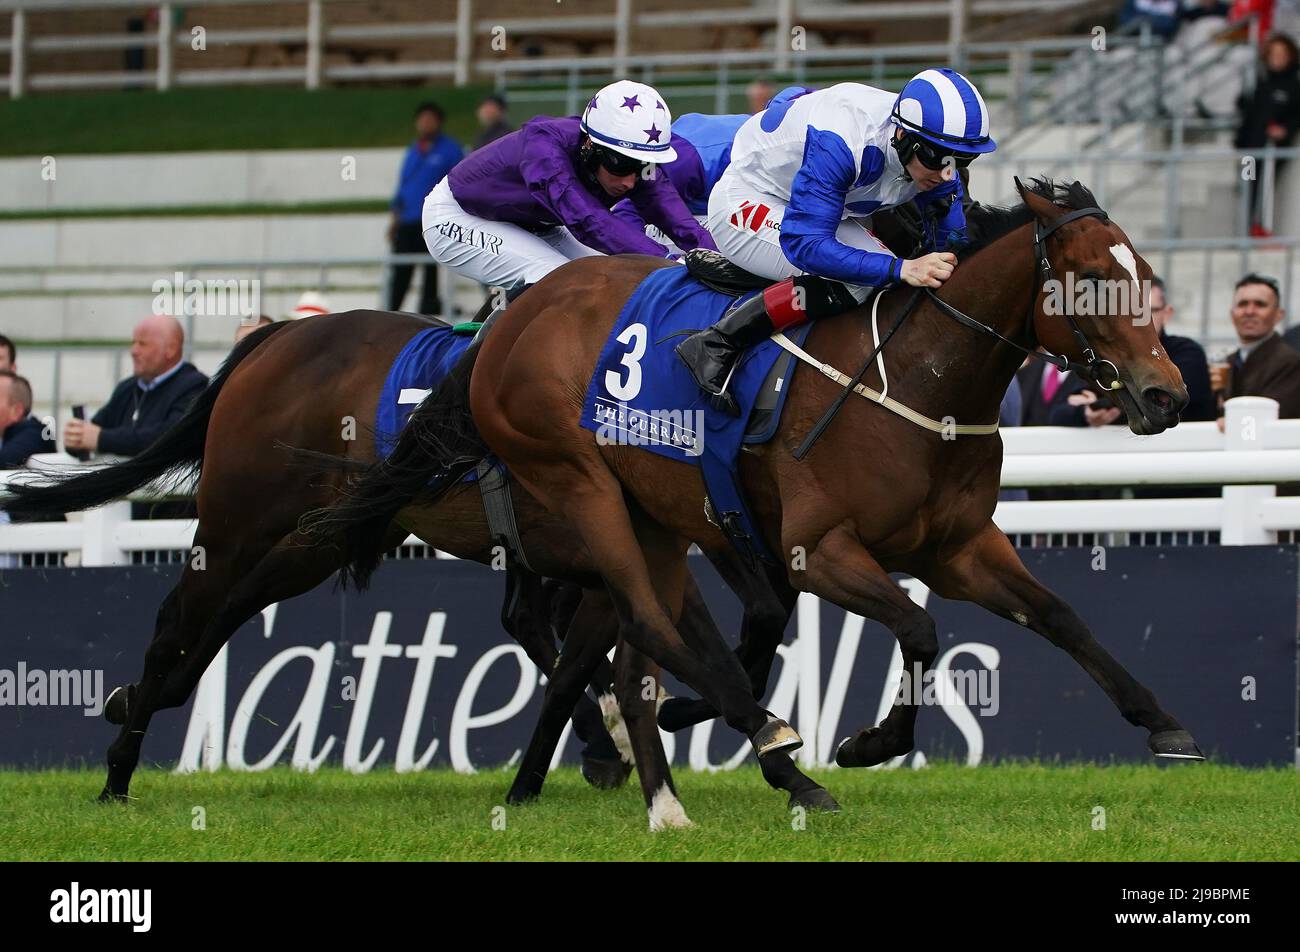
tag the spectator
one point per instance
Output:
(1270, 114)
(1161, 15)
(428, 160)
(759, 93)
(8, 354)
(309, 305)
(21, 434)
(492, 120)
(1292, 337)
(1263, 365)
(1009, 414)
(244, 329)
(146, 404)
(1187, 355)
(1043, 390)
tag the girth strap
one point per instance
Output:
(494, 487)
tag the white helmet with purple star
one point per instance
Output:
(631, 119)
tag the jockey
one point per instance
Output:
(804, 174)
(703, 147)
(512, 212)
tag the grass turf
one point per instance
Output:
(944, 812)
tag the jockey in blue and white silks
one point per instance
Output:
(515, 210)
(805, 175)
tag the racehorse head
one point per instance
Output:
(1093, 305)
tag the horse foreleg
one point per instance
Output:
(842, 571)
(988, 572)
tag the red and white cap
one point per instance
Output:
(309, 305)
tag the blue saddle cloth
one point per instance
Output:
(423, 363)
(642, 394)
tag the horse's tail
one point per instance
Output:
(436, 449)
(178, 452)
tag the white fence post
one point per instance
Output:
(622, 33)
(464, 41)
(166, 48)
(956, 32)
(1245, 419)
(784, 26)
(18, 55)
(99, 545)
(315, 43)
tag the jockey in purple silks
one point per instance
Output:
(517, 209)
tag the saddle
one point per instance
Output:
(719, 273)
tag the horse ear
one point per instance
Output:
(1044, 209)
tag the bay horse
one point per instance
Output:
(297, 384)
(878, 494)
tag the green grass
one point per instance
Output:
(944, 812)
(189, 120)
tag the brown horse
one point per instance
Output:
(297, 384)
(878, 494)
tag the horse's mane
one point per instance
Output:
(985, 224)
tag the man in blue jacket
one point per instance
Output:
(428, 160)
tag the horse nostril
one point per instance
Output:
(1162, 400)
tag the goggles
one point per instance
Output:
(616, 163)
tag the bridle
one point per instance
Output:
(1092, 367)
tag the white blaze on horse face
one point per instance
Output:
(1128, 261)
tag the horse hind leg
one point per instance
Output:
(591, 635)
(196, 619)
(636, 679)
(527, 614)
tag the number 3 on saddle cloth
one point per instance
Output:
(642, 395)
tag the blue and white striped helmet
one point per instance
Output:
(944, 107)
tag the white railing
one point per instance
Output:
(455, 21)
(1254, 453)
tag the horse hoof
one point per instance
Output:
(1174, 745)
(605, 774)
(867, 748)
(816, 799)
(116, 708)
(518, 796)
(108, 796)
(776, 735)
(667, 813)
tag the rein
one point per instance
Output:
(1091, 367)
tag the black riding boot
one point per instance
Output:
(711, 355)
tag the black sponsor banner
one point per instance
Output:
(417, 671)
